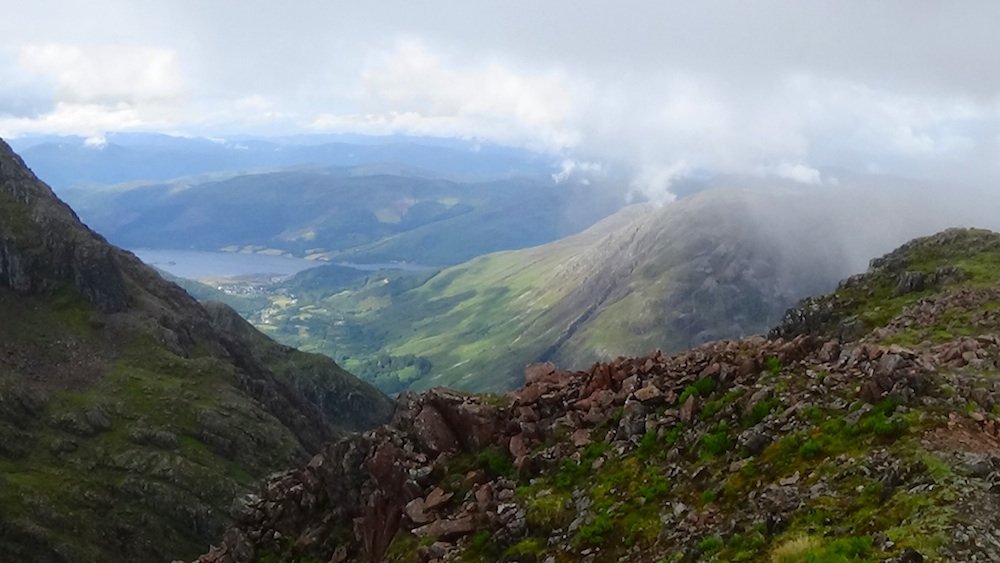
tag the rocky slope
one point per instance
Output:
(864, 428)
(130, 415)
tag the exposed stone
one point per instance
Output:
(416, 511)
(649, 393)
(448, 529)
(433, 432)
(517, 446)
(437, 498)
(581, 438)
(688, 409)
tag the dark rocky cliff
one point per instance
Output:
(130, 415)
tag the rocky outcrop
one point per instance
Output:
(920, 266)
(366, 486)
(388, 482)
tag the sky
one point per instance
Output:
(801, 90)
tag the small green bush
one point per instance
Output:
(716, 443)
(647, 447)
(811, 449)
(710, 545)
(841, 551)
(495, 462)
(710, 409)
(655, 486)
(759, 411)
(594, 533)
(703, 388)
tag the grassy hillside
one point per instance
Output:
(483, 312)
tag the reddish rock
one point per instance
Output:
(870, 392)
(536, 373)
(581, 438)
(448, 529)
(529, 394)
(630, 384)
(600, 378)
(339, 555)
(433, 431)
(476, 424)
(378, 523)
(527, 414)
(713, 370)
(475, 477)
(649, 393)
(746, 368)
(517, 447)
(484, 496)
(618, 375)
(830, 351)
(594, 415)
(603, 398)
(529, 429)
(437, 498)
(385, 469)
(416, 511)
(524, 466)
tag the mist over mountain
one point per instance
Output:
(723, 263)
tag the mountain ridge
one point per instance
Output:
(129, 415)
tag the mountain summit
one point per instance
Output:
(131, 415)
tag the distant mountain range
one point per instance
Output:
(73, 162)
(345, 215)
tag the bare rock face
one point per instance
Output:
(43, 243)
(433, 432)
(372, 484)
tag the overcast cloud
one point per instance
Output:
(788, 89)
